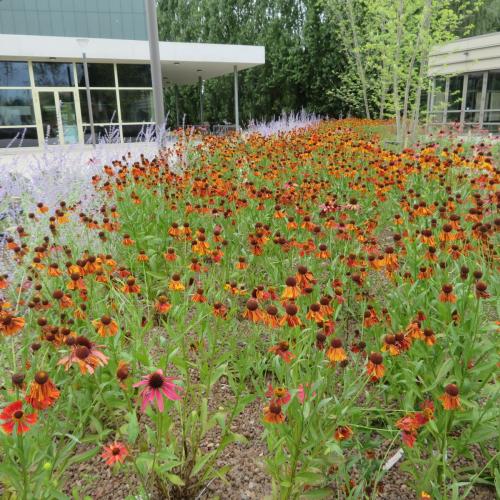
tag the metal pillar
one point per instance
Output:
(430, 102)
(200, 83)
(464, 98)
(176, 91)
(89, 102)
(482, 104)
(446, 95)
(154, 55)
(236, 102)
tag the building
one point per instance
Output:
(465, 84)
(43, 97)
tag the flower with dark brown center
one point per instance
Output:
(41, 377)
(82, 352)
(155, 380)
(451, 390)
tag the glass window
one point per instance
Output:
(474, 89)
(493, 91)
(136, 105)
(51, 74)
(100, 75)
(16, 107)
(134, 75)
(492, 117)
(134, 133)
(18, 137)
(436, 117)
(472, 117)
(107, 134)
(453, 116)
(14, 74)
(103, 106)
(455, 93)
(439, 93)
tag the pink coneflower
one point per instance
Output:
(156, 385)
(115, 452)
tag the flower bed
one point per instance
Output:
(346, 290)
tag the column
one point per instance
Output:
(464, 98)
(482, 104)
(176, 90)
(154, 55)
(200, 82)
(236, 100)
(446, 94)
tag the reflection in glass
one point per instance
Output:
(107, 133)
(100, 75)
(52, 74)
(472, 117)
(453, 116)
(49, 117)
(439, 94)
(14, 74)
(68, 117)
(103, 106)
(18, 137)
(133, 133)
(134, 75)
(474, 89)
(455, 93)
(493, 92)
(16, 107)
(136, 105)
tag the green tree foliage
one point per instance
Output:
(303, 60)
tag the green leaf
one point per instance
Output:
(174, 479)
(201, 462)
(132, 428)
(83, 457)
(318, 493)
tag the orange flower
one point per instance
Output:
(85, 354)
(273, 413)
(343, 432)
(10, 325)
(127, 240)
(114, 453)
(241, 264)
(292, 291)
(170, 255)
(198, 296)
(290, 318)
(279, 395)
(282, 349)
(336, 352)
(13, 416)
(142, 257)
(131, 286)
(220, 310)
(42, 393)
(105, 327)
(450, 398)
(314, 313)
(175, 283)
(252, 312)
(162, 305)
(375, 367)
(390, 345)
(447, 295)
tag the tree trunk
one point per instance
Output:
(357, 56)
(395, 73)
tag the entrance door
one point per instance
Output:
(59, 120)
